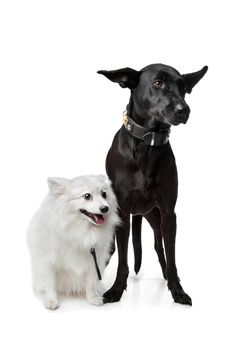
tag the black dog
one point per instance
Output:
(142, 166)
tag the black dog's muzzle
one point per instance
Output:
(182, 113)
(153, 138)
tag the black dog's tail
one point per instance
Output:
(137, 241)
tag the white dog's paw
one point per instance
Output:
(101, 289)
(52, 304)
(98, 301)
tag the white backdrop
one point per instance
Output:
(58, 118)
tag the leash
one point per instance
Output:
(92, 251)
(154, 138)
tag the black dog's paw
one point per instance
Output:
(181, 297)
(112, 295)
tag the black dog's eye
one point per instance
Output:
(158, 83)
(104, 194)
(87, 196)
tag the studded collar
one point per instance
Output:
(153, 138)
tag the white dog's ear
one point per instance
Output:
(57, 185)
(108, 181)
(105, 180)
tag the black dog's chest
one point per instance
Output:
(140, 173)
(136, 183)
(141, 194)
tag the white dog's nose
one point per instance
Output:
(104, 209)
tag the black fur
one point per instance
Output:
(145, 177)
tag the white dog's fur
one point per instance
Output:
(60, 237)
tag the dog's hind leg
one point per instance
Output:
(137, 242)
(122, 236)
(154, 219)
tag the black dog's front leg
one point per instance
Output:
(168, 225)
(122, 236)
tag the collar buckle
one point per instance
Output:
(155, 138)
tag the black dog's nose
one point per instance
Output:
(104, 209)
(182, 112)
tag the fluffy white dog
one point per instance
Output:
(69, 238)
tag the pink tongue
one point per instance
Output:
(99, 219)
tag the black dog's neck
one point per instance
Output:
(140, 119)
(155, 135)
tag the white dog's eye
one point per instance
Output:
(87, 196)
(104, 194)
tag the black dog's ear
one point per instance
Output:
(126, 77)
(192, 79)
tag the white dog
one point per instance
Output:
(69, 238)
